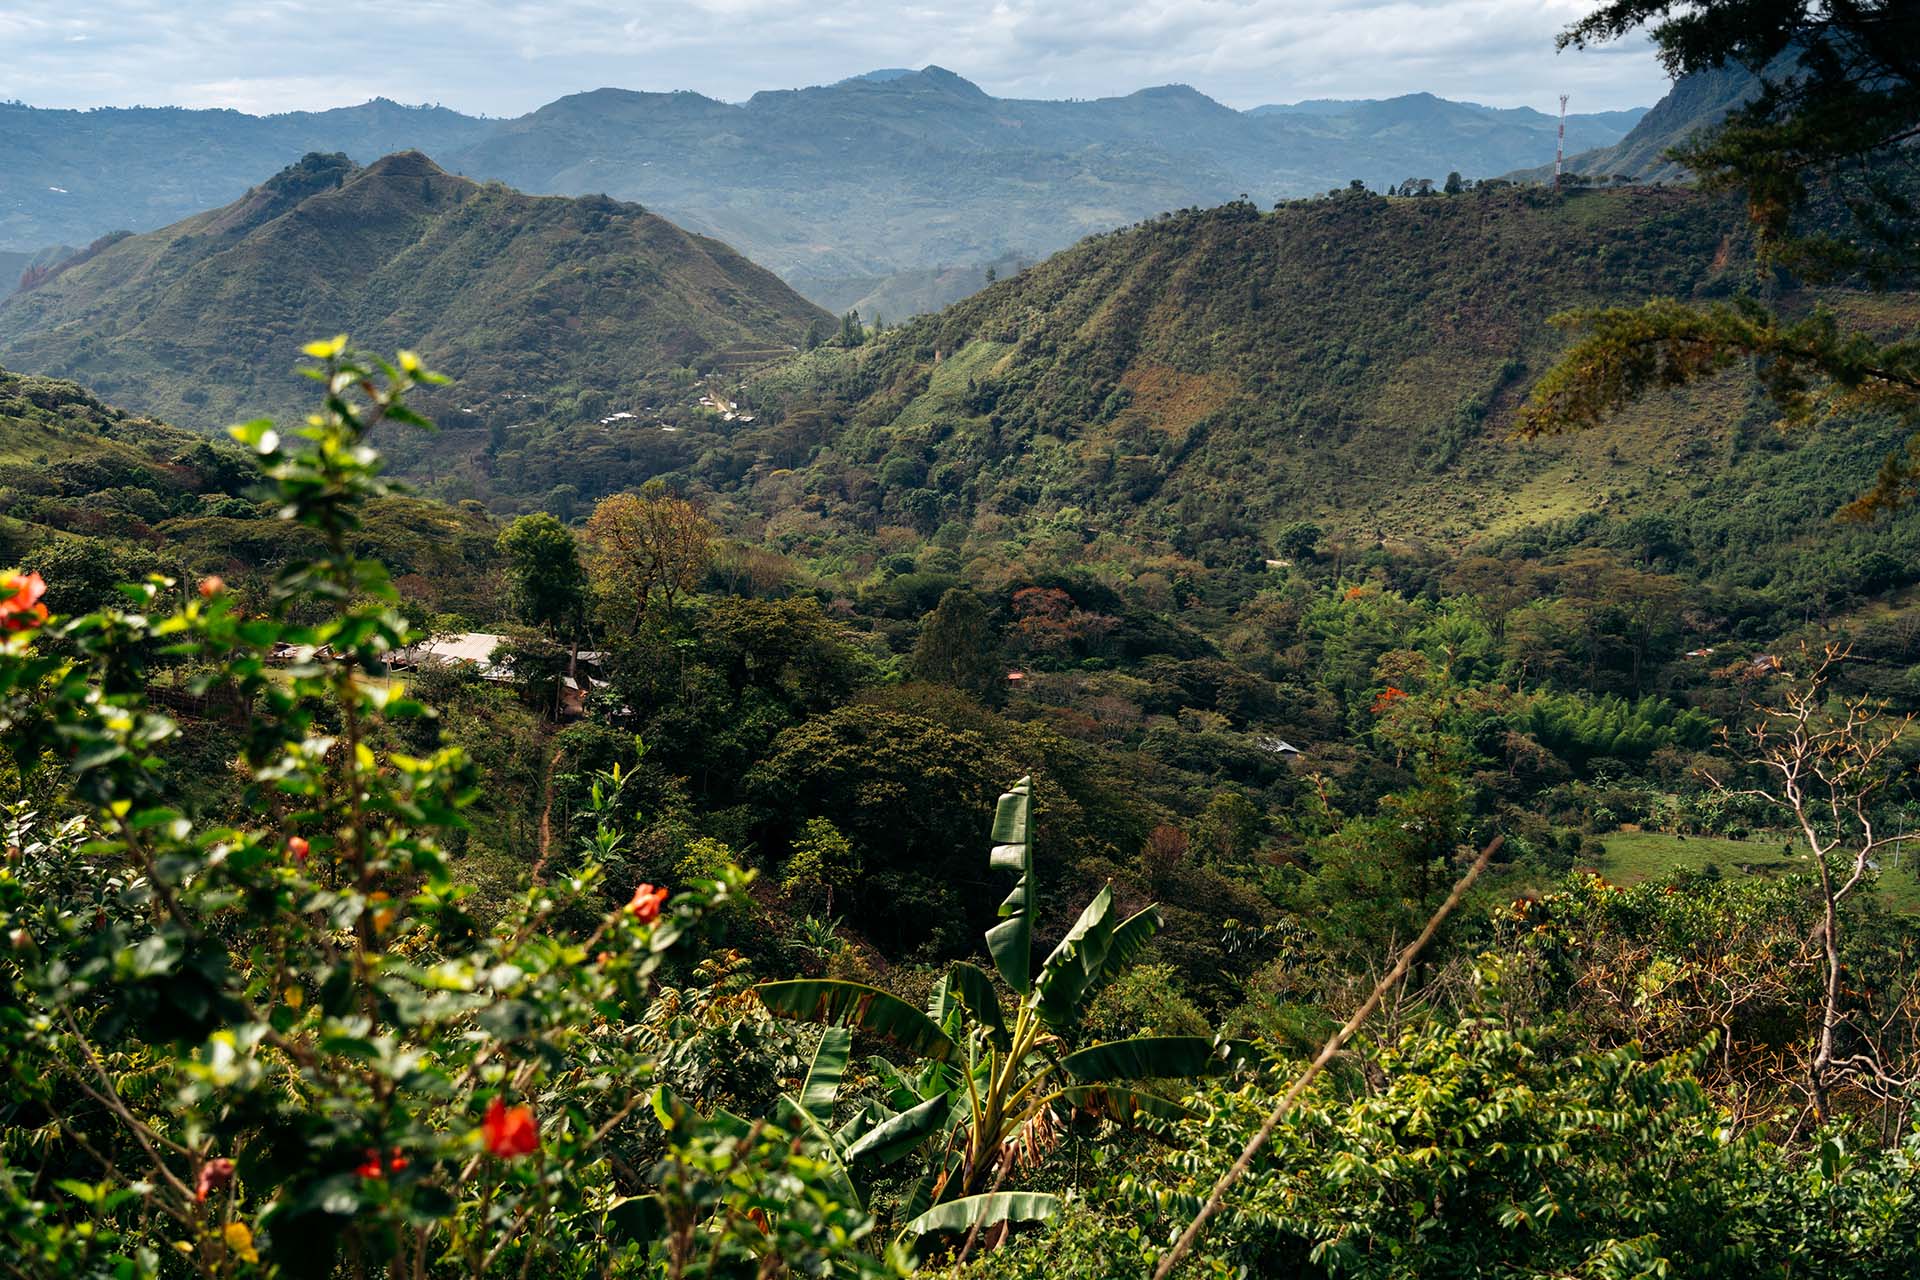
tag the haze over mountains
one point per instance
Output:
(897, 171)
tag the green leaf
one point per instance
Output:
(839, 1179)
(975, 991)
(985, 1210)
(900, 1135)
(1011, 941)
(1151, 1058)
(1070, 970)
(853, 1004)
(822, 1084)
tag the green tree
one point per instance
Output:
(1297, 541)
(822, 863)
(959, 645)
(547, 585)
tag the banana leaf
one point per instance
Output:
(1070, 970)
(900, 1135)
(789, 1112)
(853, 1004)
(975, 990)
(822, 1084)
(1130, 938)
(1011, 941)
(985, 1210)
(1150, 1058)
(1124, 1105)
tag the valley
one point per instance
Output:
(886, 681)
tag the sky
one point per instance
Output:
(499, 58)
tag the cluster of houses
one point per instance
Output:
(475, 651)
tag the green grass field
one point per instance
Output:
(1633, 856)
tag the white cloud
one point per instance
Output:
(503, 58)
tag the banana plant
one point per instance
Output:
(990, 1089)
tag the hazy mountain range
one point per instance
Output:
(895, 171)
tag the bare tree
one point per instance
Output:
(1829, 762)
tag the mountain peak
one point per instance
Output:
(404, 164)
(935, 77)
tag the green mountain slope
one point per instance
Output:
(514, 295)
(1191, 386)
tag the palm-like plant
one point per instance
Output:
(991, 1088)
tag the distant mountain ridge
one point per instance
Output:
(891, 171)
(515, 296)
(1695, 103)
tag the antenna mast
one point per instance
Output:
(1560, 147)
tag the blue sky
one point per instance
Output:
(497, 58)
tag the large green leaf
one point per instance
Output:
(975, 990)
(1125, 1105)
(985, 1210)
(790, 1113)
(1148, 1058)
(822, 1084)
(900, 1135)
(1011, 941)
(860, 1123)
(1130, 938)
(854, 1004)
(1073, 966)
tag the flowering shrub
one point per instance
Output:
(280, 1039)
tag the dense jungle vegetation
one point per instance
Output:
(1136, 775)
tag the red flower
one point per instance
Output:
(510, 1131)
(212, 585)
(370, 1166)
(215, 1174)
(297, 846)
(646, 903)
(20, 607)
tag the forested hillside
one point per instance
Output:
(1196, 385)
(522, 296)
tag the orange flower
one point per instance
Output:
(297, 846)
(212, 585)
(1387, 699)
(647, 900)
(510, 1131)
(20, 607)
